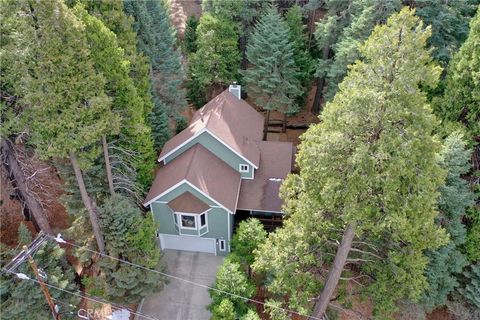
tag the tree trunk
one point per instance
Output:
(320, 84)
(15, 171)
(265, 128)
(284, 124)
(92, 211)
(108, 168)
(335, 272)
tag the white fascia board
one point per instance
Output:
(181, 145)
(164, 193)
(230, 148)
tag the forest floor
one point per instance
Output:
(12, 210)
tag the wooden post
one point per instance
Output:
(34, 266)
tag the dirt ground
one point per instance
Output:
(181, 10)
(12, 212)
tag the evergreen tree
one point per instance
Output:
(24, 299)
(156, 39)
(301, 54)
(247, 238)
(111, 12)
(340, 34)
(449, 21)
(230, 278)
(189, 43)
(159, 122)
(68, 109)
(135, 135)
(272, 79)
(216, 61)
(462, 90)
(368, 179)
(471, 290)
(24, 235)
(243, 14)
(131, 237)
(455, 196)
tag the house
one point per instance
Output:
(215, 169)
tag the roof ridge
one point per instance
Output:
(189, 166)
(222, 101)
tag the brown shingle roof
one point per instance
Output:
(188, 203)
(262, 192)
(203, 170)
(232, 120)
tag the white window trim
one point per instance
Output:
(224, 245)
(240, 169)
(200, 220)
(190, 215)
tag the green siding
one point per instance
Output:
(217, 218)
(184, 188)
(218, 149)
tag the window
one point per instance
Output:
(244, 168)
(188, 221)
(221, 245)
(203, 220)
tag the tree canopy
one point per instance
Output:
(368, 169)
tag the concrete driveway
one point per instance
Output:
(180, 300)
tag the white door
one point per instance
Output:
(187, 243)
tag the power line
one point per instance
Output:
(61, 240)
(94, 299)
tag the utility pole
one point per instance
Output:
(34, 266)
(25, 254)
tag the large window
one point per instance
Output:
(188, 221)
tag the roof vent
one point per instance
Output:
(236, 90)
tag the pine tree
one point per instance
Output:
(455, 196)
(272, 79)
(159, 122)
(131, 237)
(368, 179)
(157, 40)
(216, 61)
(471, 290)
(68, 109)
(135, 135)
(449, 21)
(24, 299)
(340, 35)
(303, 60)
(242, 13)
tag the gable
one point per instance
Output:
(231, 121)
(188, 203)
(219, 149)
(202, 171)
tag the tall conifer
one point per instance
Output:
(272, 78)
